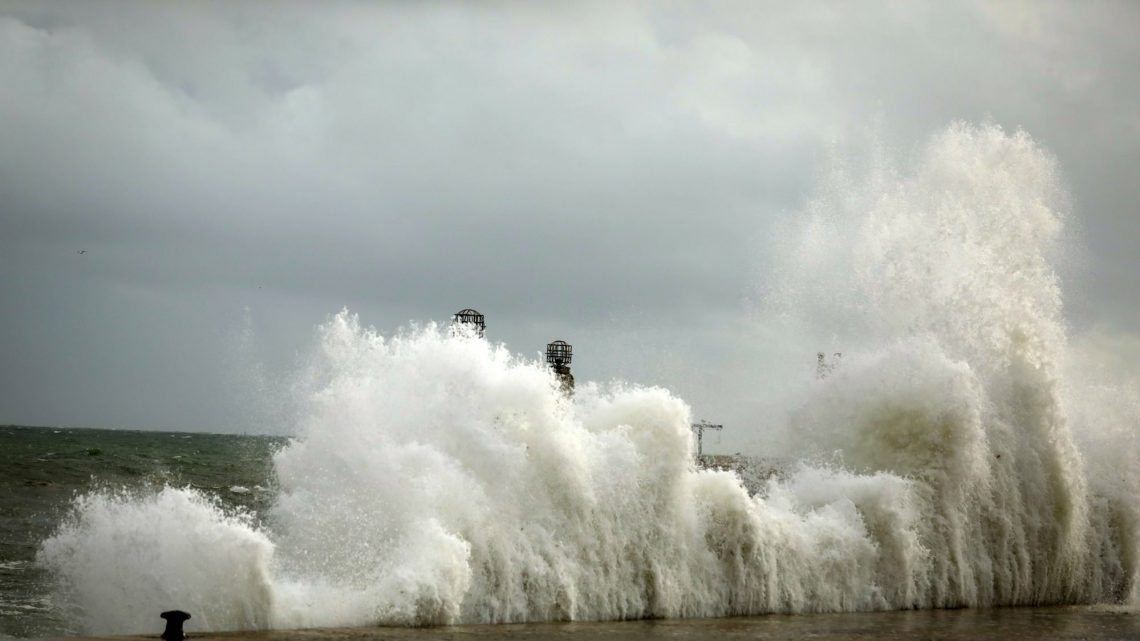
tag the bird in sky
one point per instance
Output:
(82, 251)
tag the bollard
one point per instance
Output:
(174, 621)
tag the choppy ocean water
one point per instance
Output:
(43, 469)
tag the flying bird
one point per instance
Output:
(82, 251)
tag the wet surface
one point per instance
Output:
(1012, 624)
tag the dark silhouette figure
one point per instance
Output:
(174, 621)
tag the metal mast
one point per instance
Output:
(700, 428)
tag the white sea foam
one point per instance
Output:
(124, 557)
(437, 479)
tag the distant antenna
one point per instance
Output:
(822, 367)
(700, 428)
(469, 318)
(558, 357)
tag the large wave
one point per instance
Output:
(438, 479)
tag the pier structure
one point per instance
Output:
(558, 356)
(754, 472)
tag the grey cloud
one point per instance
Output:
(600, 171)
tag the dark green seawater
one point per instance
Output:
(43, 469)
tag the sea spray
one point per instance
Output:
(1105, 415)
(123, 557)
(435, 478)
(951, 261)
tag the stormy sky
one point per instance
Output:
(608, 174)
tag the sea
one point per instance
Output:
(956, 464)
(43, 470)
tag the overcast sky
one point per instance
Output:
(608, 174)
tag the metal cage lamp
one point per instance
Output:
(471, 318)
(559, 353)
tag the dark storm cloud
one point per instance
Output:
(600, 173)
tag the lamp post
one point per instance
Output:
(558, 357)
(469, 318)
